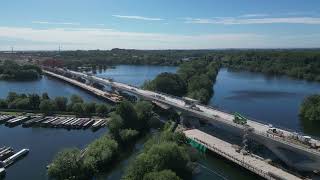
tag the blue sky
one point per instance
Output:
(159, 24)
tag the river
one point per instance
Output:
(273, 100)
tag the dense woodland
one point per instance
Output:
(301, 64)
(73, 59)
(10, 70)
(48, 105)
(165, 156)
(194, 79)
(310, 108)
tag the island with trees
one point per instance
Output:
(194, 79)
(10, 70)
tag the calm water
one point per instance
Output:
(273, 100)
(45, 143)
(135, 75)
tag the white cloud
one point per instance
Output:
(254, 15)
(138, 18)
(273, 20)
(55, 23)
(23, 38)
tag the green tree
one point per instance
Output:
(23, 103)
(3, 104)
(61, 103)
(127, 112)
(162, 156)
(310, 108)
(100, 153)
(102, 109)
(169, 83)
(45, 96)
(47, 106)
(162, 175)
(89, 108)
(76, 99)
(78, 109)
(34, 100)
(11, 97)
(68, 165)
(128, 135)
(115, 125)
(144, 113)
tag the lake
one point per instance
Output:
(274, 100)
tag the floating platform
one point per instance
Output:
(66, 122)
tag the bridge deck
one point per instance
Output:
(95, 91)
(206, 112)
(254, 164)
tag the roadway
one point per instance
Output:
(204, 112)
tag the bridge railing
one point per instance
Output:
(216, 108)
(236, 160)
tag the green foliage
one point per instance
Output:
(77, 108)
(310, 108)
(89, 108)
(115, 125)
(144, 113)
(162, 175)
(61, 103)
(72, 164)
(99, 59)
(34, 100)
(127, 112)
(161, 156)
(301, 64)
(102, 109)
(47, 106)
(22, 103)
(3, 104)
(100, 153)
(76, 99)
(128, 135)
(45, 96)
(194, 79)
(169, 83)
(68, 165)
(165, 155)
(10, 70)
(11, 97)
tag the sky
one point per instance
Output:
(158, 24)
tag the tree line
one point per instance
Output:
(127, 123)
(92, 58)
(49, 105)
(10, 70)
(300, 64)
(194, 79)
(165, 156)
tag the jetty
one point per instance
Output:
(66, 122)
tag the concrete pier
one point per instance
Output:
(254, 164)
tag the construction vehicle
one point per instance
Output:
(239, 119)
(275, 131)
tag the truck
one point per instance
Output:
(239, 119)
